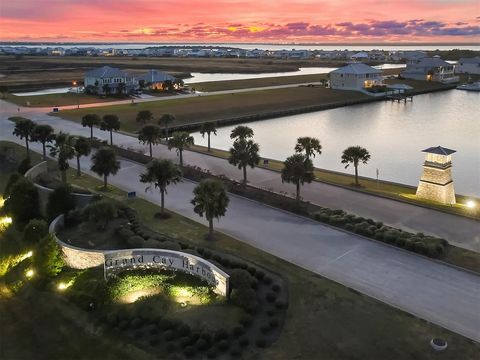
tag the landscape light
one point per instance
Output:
(471, 204)
(2, 201)
(29, 254)
(29, 273)
(5, 222)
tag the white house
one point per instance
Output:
(362, 55)
(357, 76)
(468, 66)
(430, 69)
(108, 80)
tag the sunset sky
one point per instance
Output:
(276, 21)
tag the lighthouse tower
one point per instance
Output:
(436, 183)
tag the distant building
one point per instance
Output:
(108, 80)
(430, 69)
(436, 183)
(362, 55)
(158, 80)
(468, 66)
(356, 77)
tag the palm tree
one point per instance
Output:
(63, 149)
(244, 153)
(166, 120)
(298, 169)
(82, 148)
(180, 141)
(24, 130)
(144, 115)
(43, 133)
(121, 88)
(241, 132)
(208, 128)
(106, 89)
(105, 163)
(309, 145)
(110, 123)
(91, 120)
(211, 199)
(150, 134)
(161, 173)
(355, 155)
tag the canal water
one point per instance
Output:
(394, 133)
(204, 77)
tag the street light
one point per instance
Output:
(78, 100)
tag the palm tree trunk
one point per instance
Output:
(210, 229)
(91, 132)
(244, 176)
(27, 146)
(78, 166)
(64, 176)
(208, 142)
(356, 175)
(44, 152)
(298, 193)
(162, 195)
(105, 182)
(150, 150)
(111, 137)
(181, 158)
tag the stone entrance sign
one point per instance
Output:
(119, 260)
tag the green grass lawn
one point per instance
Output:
(209, 108)
(51, 100)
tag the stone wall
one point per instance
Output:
(44, 192)
(436, 184)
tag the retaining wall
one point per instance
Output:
(44, 192)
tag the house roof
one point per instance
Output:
(361, 54)
(357, 68)
(439, 150)
(400, 86)
(472, 60)
(156, 76)
(431, 62)
(106, 72)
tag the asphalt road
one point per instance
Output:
(457, 230)
(435, 292)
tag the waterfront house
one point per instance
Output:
(362, 55)
(357, 76)
(430, 69)
(158, 80)
(468, 66)
(108, 80)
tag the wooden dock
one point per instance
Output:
(399, 97)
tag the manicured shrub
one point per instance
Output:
(23, 203)
(280, 305)
(246, 320)
(265, 328)
(202, 344)
(271, 297)
(211, 354)
(245, 298)
(271, 312)
(189, 351)
(273, 323)
(261, 342)
(235, 352)
(48, 257)
(379, 235)
(409, 245)
(276, 288)
(183, 330)
(12, 179)
(169, 335)
(244, 341)
(136, 323)
(400, 242)
(125, 233)
(171, 346)
(24, 166)
(100, 213)
(420, 247)
(252, 270)
(221, 334)
(240, 279)
(170, 245)
(223, 345)
(349, 227)
(260, 275)
(35, 231)
(267, 280)
(60, 201)
(238, 330)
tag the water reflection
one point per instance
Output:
(394, 133)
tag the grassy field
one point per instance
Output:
(210, 108)
(383, 188)
(324, 319)
(51, 100)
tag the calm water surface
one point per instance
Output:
(394, 134)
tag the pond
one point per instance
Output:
(394, 133)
